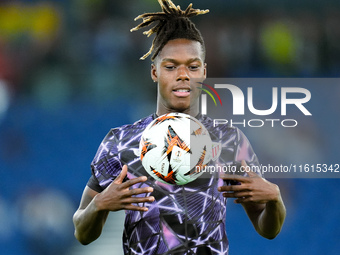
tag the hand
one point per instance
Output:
(118, 196)
(252, 188)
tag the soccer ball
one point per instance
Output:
(174, 148)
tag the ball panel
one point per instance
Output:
(174, 148)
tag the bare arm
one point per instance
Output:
(88, 220)
(94, 207)
(261, 200)
(267, 217)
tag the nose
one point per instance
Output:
(182, 74)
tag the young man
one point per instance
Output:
(171, 219)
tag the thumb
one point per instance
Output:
(247, 169)
(119, 179)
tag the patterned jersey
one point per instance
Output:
(186, 219)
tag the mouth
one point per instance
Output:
(182, 92)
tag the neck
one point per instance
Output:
(190, 111)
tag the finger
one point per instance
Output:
(137, 191)
(236, 194)
(233, 188)
(244, 164)
(241, 200)
(135, 208)
(234, 177)
(121, 176)
(136, 200)
(248, 169)
(133, 181)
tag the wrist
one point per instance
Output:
(276, 195)
(275, 201)
(98, 203)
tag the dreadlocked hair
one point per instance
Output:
(173, 23)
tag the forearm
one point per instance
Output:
(89, 222)
(270, 220)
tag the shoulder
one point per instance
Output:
(140, 124)
(117, 138)
(128, 130)
(117, 148)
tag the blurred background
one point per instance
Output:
(69, 71)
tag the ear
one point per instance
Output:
(154, 76)
(205, 70)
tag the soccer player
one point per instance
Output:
(171, 219)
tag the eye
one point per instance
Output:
(193, 67)
(170, 67)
